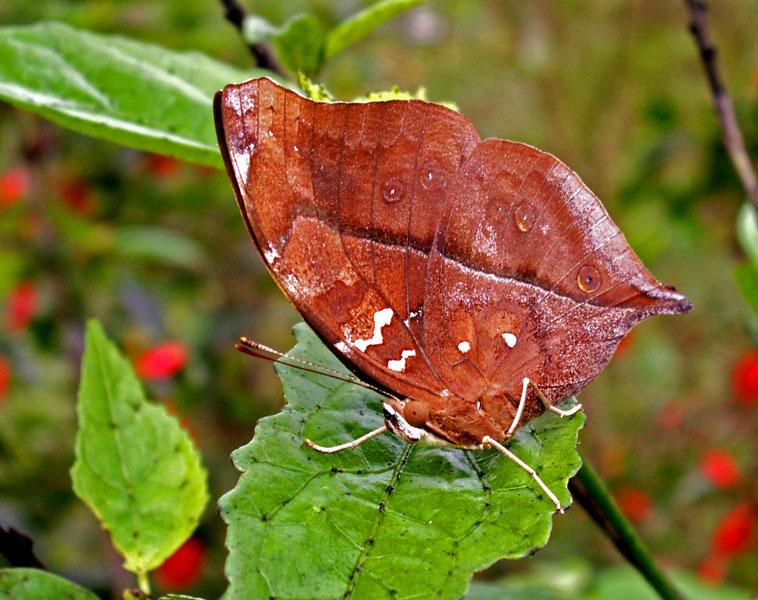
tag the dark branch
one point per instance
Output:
(733, 140)
(235, 14)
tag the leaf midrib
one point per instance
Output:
(107, 379)
(403, 459)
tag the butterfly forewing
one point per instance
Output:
(344, 218)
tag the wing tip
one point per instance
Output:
(668, 301)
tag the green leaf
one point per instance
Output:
(159, 244)
(747, 231)
(300, 45)
(746, 276)
(136, 468)
(121, 90)
(256, 29)
(35, 584)
(315, 91)
(362, 23)
(387, 515)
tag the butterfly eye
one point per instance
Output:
(588, 279)
(415, 413)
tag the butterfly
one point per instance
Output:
(476, 282)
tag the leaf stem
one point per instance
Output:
(588, 489)
(143, 582)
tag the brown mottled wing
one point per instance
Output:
(504, 299)
(343, 201)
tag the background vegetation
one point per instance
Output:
(157, 251)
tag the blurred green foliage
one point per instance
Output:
(613, 88)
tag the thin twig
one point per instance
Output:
(235, 14)
(733, 140)
(589, 491)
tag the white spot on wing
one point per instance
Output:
(464, 347)
(399, 365)
(381, 318)
(342, 347)
(242, 160)
(510, 339)
(271, 254)
(411, 315)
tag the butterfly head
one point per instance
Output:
(406, 418)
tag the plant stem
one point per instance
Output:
(143, 582)
(235, 14)
(589, 490)
(722, 103)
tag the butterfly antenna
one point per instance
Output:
(258, 350)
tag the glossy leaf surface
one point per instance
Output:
(117, 89)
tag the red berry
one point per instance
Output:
(720, 469)
(22, 304)
(5, 377)
(161, 166)
(634, 503)
(745, 378)
(76, 194)
(14, 184)
(162, 361)
(184, 567)
(713, 568)
(732, 535)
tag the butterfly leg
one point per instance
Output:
(347, 446)
(548, 406)
(519, 410)
(488, 441)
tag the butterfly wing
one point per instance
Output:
(529, 277)
(440, 266)
(343, 201)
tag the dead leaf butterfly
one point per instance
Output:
(477, 281)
